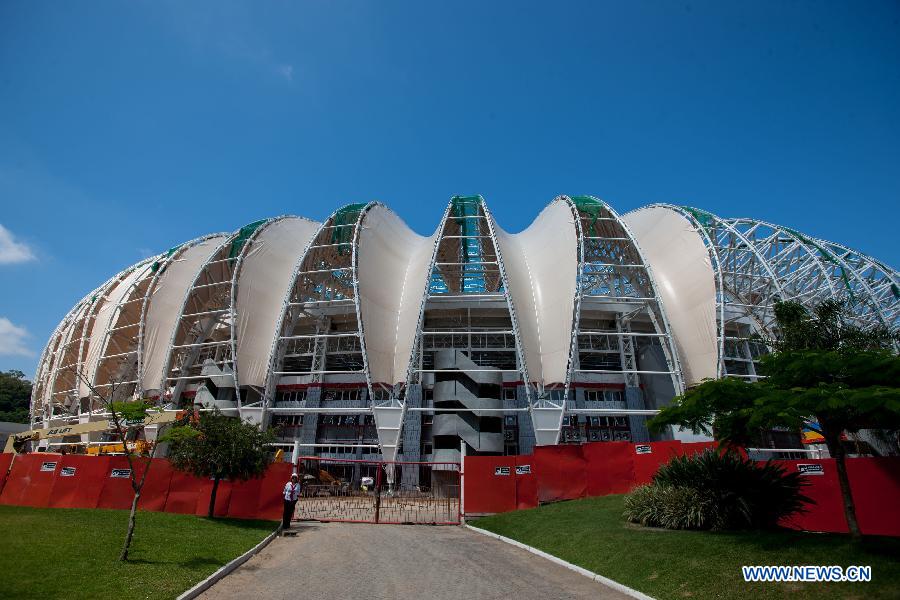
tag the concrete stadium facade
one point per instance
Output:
(360, 338)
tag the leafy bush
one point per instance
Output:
(714, 490)
(670, 507)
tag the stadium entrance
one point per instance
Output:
(360, 491)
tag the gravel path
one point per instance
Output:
(391, 562)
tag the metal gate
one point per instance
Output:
(361, 491)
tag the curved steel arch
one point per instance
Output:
(736, 289)
(715, 262)
(312, 280)
(46, 374)
(245, 237)
(792, 268)
(171, 256)
(656, 312)
(839, 279)
(884, 301)
(520, 355)
(613, 278)
(481, 274)
(140, 291)
(86, 319)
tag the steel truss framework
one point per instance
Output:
(757, 263)
(320, 331)
(616, 312)
(61, 386)
(466, 266)
(613, 278)
(204, 344)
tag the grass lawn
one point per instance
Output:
(73, 553)
(665, 564)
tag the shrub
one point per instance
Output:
(714, 490)
(670, 507)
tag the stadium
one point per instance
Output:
(360, 338)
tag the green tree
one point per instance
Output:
(214, 445)
(127, 423)
(15, 396)
(823, 369)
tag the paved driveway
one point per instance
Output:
(373, 562)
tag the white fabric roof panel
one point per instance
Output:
(392, 274)
(393, 268)
(164, 310)
(542, 269)
(686, 284)
(103, 321)
(69, 333)
(264, 280)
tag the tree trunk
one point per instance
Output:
(131, 521)
(836, 449)
(212, 498)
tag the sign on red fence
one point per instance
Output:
(492, 483)
(79, 482)
(31, 480)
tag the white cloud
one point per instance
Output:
(286, 71)
(12, 251)
(12, 339)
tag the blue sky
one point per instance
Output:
(128, 127)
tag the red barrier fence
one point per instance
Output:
(78, 481)
(493, 484)
(500, 483)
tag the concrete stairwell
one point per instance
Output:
(469, 386)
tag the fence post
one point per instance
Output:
(378, 491)
(462, 481)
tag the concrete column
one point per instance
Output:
(310, 420)
(526, 427)
(634, 400)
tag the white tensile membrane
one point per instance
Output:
(541, 266)
(68, 334)
(263, 282)
(102, 323)
(393, 263)
(686, 284)
(164, 310)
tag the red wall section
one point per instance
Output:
(485, 491)
(270, 499)
(554, 473)
(646, 465)
(223, 495)
(488, 492)
(560, 472)
(27, 484)
(81, 490)
(183, 492)
(117, 491)
(827, 514)
(526, 483)
(609, 467)
(692, 448)
(5, 462)
(156, 487)
(876, 492)
(244, 499)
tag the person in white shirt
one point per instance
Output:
(291, 493)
